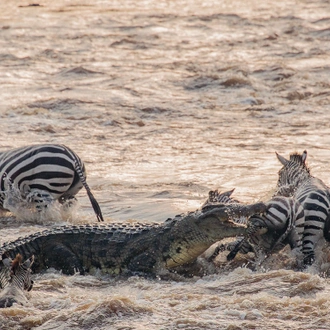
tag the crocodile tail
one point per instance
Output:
(95, 204)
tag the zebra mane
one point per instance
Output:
(298, 159)
(15, 264)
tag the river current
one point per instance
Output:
(165, 100)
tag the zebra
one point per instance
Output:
(282, 223)
(216, 197)
(15, 278)
(312, 193)
(222, 198)
(44, 173)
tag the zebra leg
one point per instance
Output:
(220, 248)
(309, 257)
(313, 232)
(41, 199)
(244, 248)
(255, 229)
(217, 250)
(68, 201)
(236, 248)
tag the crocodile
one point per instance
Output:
(132, 248)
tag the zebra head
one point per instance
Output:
(21, 272)
(294, 170)
(217, 197)
(15, 277)
(16, 272)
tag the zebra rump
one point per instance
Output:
(46, 171)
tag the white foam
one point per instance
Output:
(26, 210)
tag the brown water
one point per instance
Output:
(165, 100)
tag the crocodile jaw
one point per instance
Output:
(212, 225)
(209, 231)
(185, 256)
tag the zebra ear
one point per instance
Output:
(304, 156)
(282, 160)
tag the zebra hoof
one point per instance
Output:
(231, 255)
(40, 199)
(309, 260)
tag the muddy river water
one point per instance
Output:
(165, 100)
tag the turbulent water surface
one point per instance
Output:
(165, 100)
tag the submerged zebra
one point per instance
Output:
(15, 278)
(281, 224)
(44, 173)
(313, 194)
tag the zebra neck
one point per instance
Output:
(290, 189)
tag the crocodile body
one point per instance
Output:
(132, 247)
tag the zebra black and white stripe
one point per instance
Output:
(217, 197)
(281, 224)
(46, 171)
(16, 272)
(296, 181)
(15, 277)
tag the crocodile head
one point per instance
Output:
(224, 220)
(196, 232)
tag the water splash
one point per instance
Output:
(26, 209)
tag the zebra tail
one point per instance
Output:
(95, 204)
